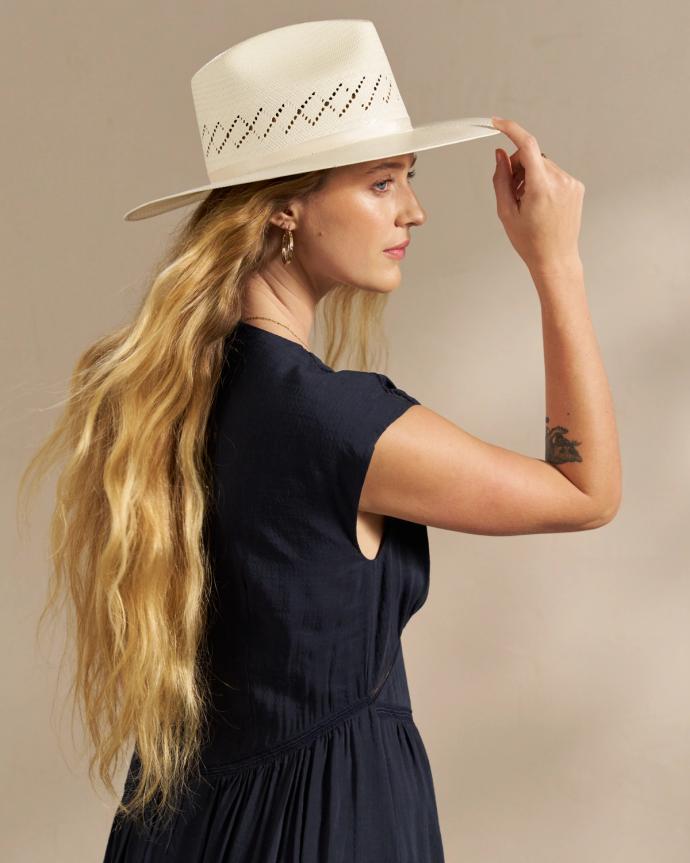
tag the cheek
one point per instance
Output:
(364, 225)
(353, 227)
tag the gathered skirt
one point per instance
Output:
(356, 789)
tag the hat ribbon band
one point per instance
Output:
(363, 132)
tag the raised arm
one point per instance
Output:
(426, 469)
(581, 438)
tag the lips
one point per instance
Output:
(398, 248)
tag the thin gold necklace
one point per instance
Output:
(261, 317)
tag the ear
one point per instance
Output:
(287, 217)
(282, 220)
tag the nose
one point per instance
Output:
(412, 214)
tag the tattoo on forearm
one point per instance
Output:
(558, 448)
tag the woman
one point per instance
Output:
(241, 530)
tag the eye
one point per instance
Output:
(410, 175)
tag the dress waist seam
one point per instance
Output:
(297, 741)
(314, 731)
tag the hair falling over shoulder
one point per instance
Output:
(128, 556)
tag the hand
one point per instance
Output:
(538, 203)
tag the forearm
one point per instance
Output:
(581, 435)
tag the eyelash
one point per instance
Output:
(390, 180)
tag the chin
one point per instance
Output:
(381, 287)
(390, 280)
(393, 282)
(383, 281)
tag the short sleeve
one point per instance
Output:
(364, 405)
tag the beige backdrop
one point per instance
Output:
(549, 674)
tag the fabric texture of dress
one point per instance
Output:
(313, 755)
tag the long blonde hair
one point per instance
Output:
(127, 530)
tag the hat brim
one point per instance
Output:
(438, 134)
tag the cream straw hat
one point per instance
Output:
(313, 95)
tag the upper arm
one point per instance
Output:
(426, 469)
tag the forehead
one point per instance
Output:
(401, 163)
(344, 175)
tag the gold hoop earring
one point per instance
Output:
(288, 246)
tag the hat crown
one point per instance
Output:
(274, 94)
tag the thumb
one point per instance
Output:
(503, 176)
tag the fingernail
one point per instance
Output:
(496, 118)
(497, 159)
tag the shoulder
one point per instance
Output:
(354, 407)
(341, 392)
(372, 385)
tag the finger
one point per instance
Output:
(503, 186)
(516, 176)
(528, 154)
(516, 163)
(546, 162)
(518, 180)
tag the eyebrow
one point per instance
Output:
(390, 165)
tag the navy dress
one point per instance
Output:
(313, 754)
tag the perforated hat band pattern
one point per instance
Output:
(215, 139)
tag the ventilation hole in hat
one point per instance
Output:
(299, 113)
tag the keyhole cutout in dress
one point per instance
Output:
(369, 532)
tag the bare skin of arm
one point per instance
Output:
(427, 469)
(581, 433)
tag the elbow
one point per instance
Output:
(610, 512)
(602, 515)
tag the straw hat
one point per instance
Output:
(312, 95)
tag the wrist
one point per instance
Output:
(560, 268)
(562, 277)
